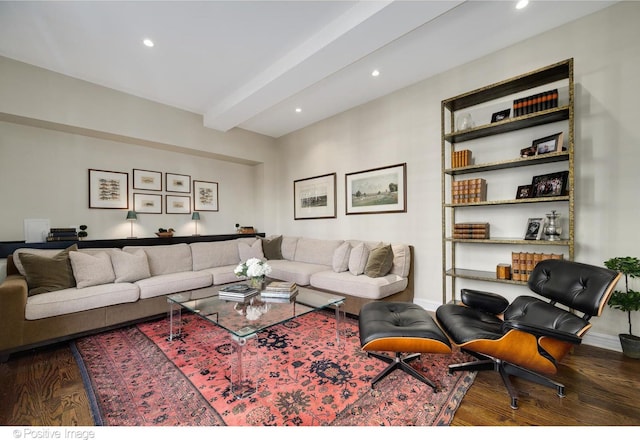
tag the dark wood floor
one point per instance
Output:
(44, 388)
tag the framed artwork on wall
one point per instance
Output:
(377, 191)
(108, 189)
(148, 180)
(314, 197)
(177, 183)
(147, 203)
(205, 196)
(178, 204)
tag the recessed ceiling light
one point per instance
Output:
(375, 73)
(522, 4)
(148, 42)
(298, 110)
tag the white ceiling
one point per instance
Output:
(250, 64)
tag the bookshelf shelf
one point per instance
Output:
(558, 76)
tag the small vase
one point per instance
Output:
(256, 282)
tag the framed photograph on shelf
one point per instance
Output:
(314, 197)
(177, 183)
(550, 185)
(205, 196)
(377, 191)
(524, 192)
(177, 204)
(147, 203)
(108, 189)
(499, 116)
(528, 152)
(534, 228)
(548, 144)
(147, 180)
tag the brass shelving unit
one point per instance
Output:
(562, 71)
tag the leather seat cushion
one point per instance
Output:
(464, 324)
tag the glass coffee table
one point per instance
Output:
(243, 319)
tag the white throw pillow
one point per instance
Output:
(358, 259)
(91, 270)
(130, 266)
(247, 251)
(341, 257)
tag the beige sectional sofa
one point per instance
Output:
(109, 287)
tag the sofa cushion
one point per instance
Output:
(130, 266)
(401, 260)
(91, 270)
(48, 274)
(361, 286)
(379, 262)
(214, 254)
(223, 274)
(341, 257)
(272, 247)
(173, 283)
(295, 271)
(316, 251)
(358, 259)
(253, 250)
(41, 252)
(74, 300)
(288, 247)
(166, 259)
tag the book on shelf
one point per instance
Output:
(62, 234)
(461, 158)
(468, 191)
(281, 286)
(523, 263)
(471, 230)
(535, 103)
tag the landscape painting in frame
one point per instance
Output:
(108, 189)
(315, 197)
(205, 196)
(376, 191)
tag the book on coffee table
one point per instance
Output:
(281, 286)
(237, 291)
(278, 293)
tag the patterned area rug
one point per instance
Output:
(303, 377)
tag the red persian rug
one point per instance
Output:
(136, 377)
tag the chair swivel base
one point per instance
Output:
(506, 369)
(399, 362)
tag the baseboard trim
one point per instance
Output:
(600, 340)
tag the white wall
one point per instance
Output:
(405, 127)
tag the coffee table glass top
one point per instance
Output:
(244, 318)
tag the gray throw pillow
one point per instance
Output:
(272, 247)
(379, 262)
(48, 274)
(91, 270)
(130, 266)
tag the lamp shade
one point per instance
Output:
(131, 215)
(195, 216)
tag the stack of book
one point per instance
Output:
(62, 234)
(237, 292)
(471, 230)
(535, 103)
(522, 263)
(460, 158)
(468, 191)
(280, 289)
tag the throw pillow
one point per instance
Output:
(379, 262)
(91, 270)
(247, 251)
(341, 257)
(271, 247)
(358, 259)
(130, 266)
(48, 274)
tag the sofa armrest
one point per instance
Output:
(13, 302)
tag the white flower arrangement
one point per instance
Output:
(252, 268)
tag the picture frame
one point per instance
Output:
(550, 185)
(147, 203)
(377, 191)
(524, 192)
(108, 189)
(315, 197)
(147, 180)
(177, 204)
(528, 152)
(205, 196)
(177, 183)
(534, 228)
(548, 144)
(499, 116)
